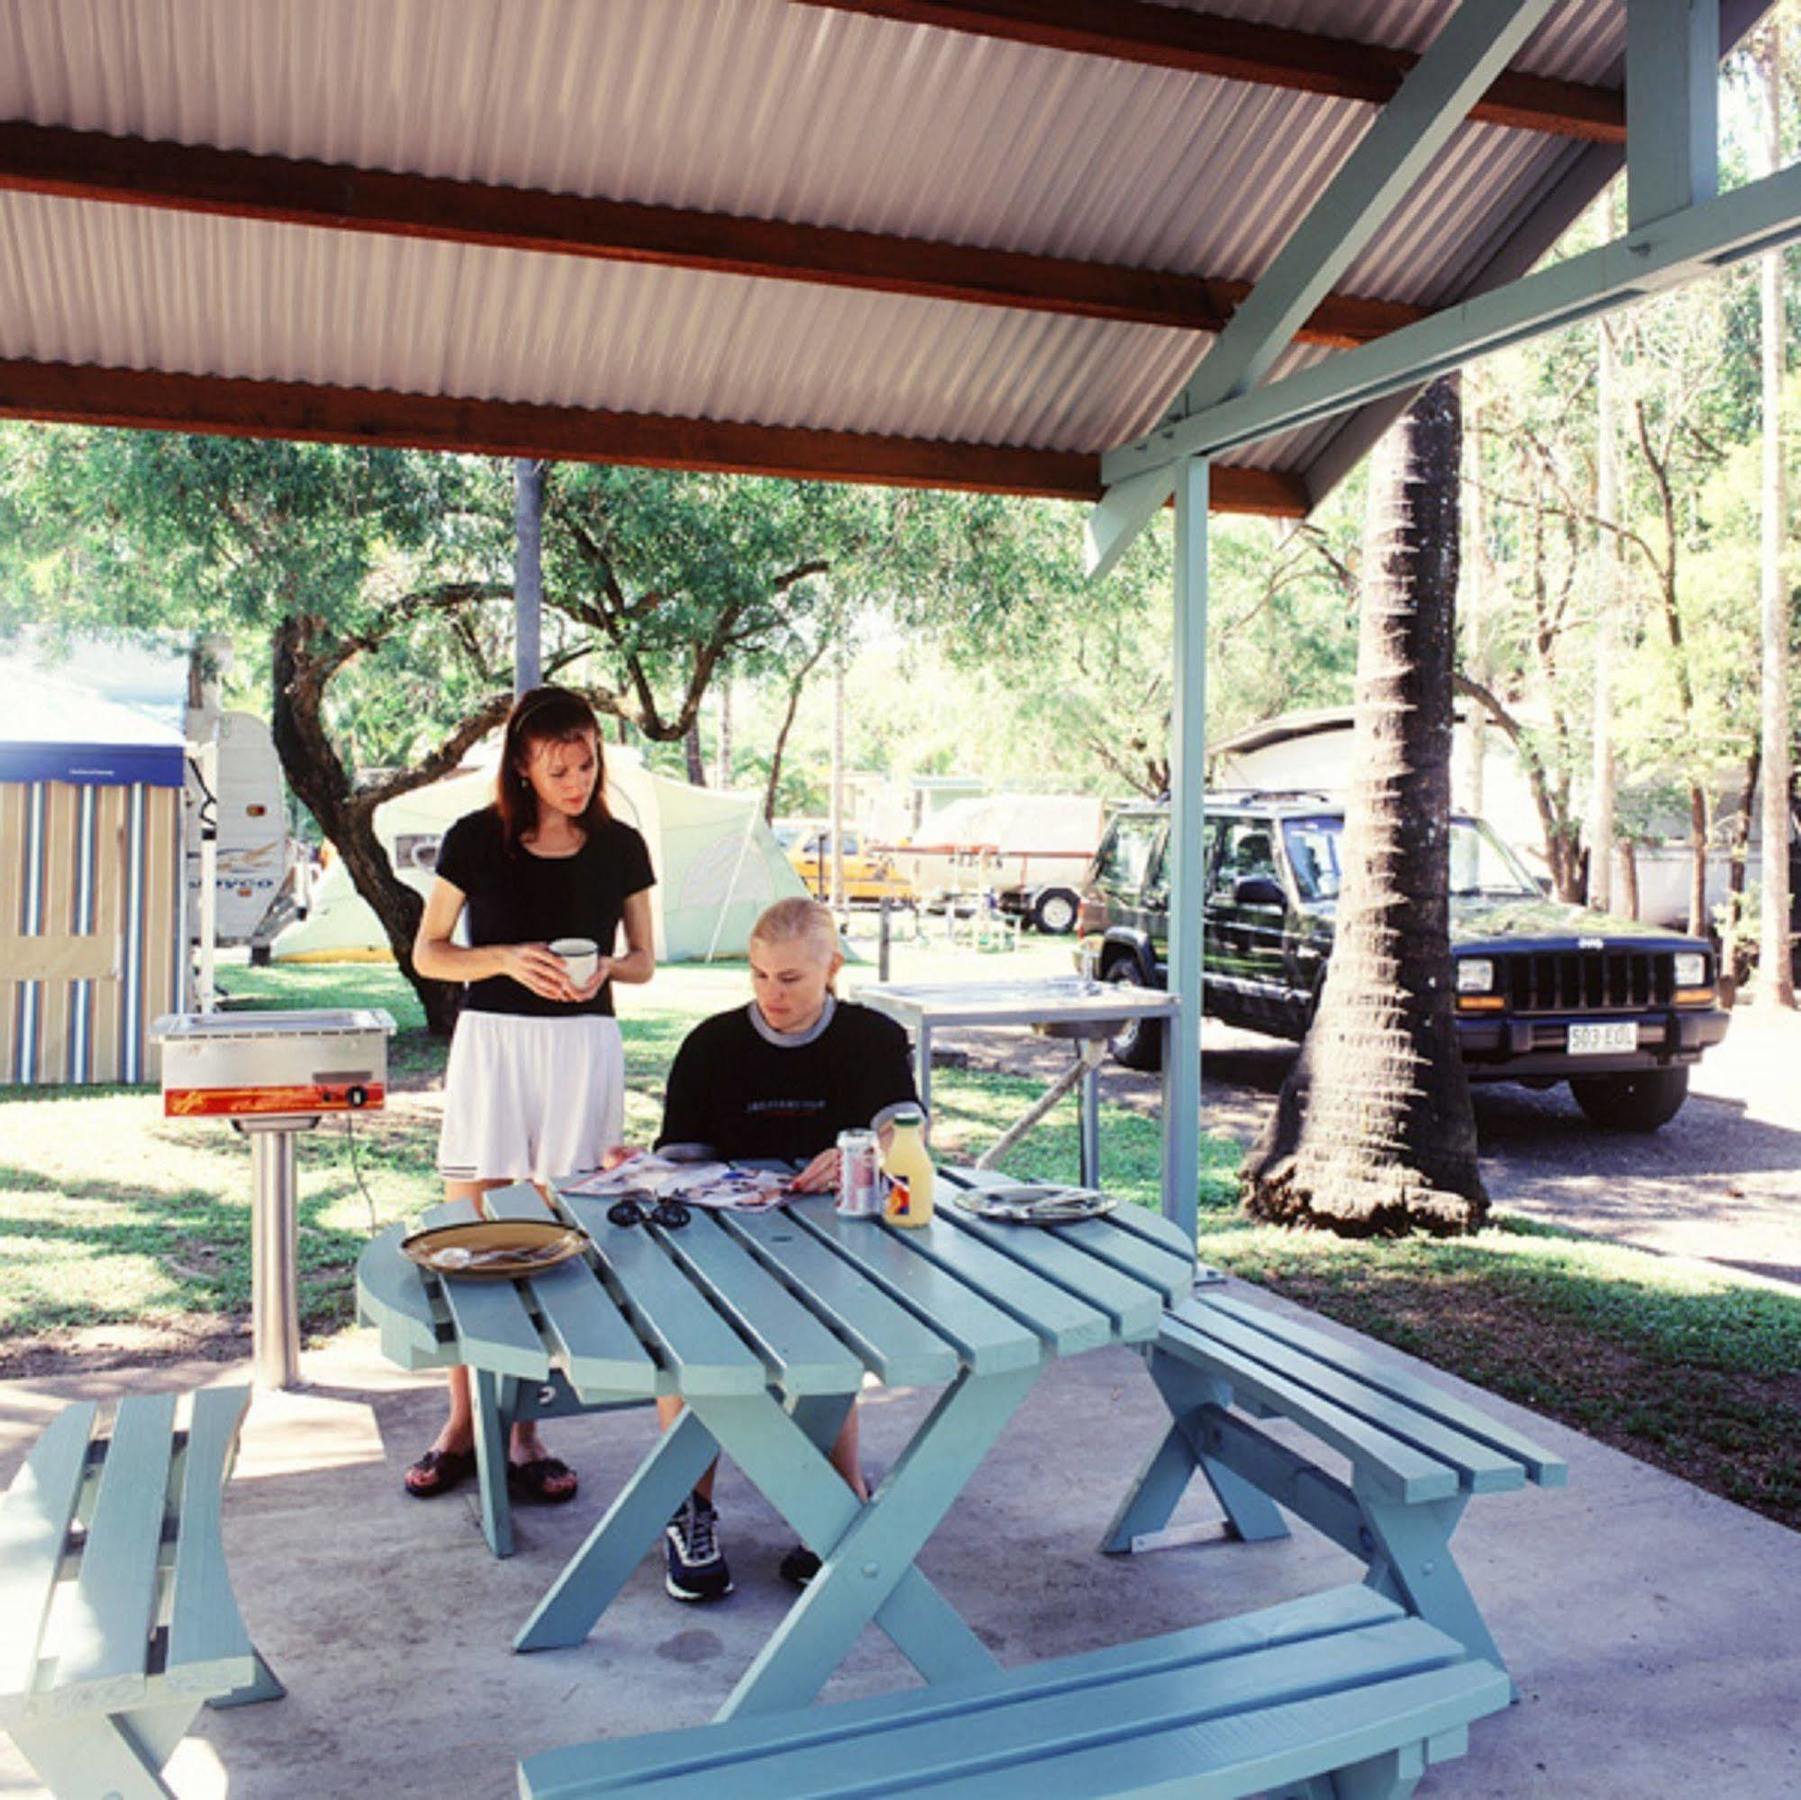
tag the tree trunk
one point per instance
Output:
(781, 737)
(1697, 862)
(1629, 878)
(722, 763)
(322, 785)
(1776, 976)
(697, 762)
(1373, 1134)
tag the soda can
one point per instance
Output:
(859, 1175)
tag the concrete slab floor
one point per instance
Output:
(1649, 1626)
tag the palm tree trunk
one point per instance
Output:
(1373, 1134)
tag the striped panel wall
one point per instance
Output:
(76, 862)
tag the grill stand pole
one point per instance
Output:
(274, 1250)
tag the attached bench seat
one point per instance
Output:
(1415, 1452)
(1340, 1685)
(117, 1609)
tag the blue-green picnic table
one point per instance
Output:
(768, 1325)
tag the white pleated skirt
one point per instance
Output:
(531, 1099)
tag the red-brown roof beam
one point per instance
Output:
(139, 400)
(1242, 50)
(85, 165)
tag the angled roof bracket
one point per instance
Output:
(1433, 101)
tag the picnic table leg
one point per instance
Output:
(869, 1550)
(495, 1399)
(616, 1546)
(100, 1754)
(1412, 1564)
(1250, 1513)
(942, 1646)
(265, 1684)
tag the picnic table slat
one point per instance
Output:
(801, 1353)
(1134, 1306)
(988, 1340)
(903, 1350)
(392, 1295)
(1481, 1468)
(1169, 1273)
(208, 1644)
(106, 1643)
(1155, 1229)
(710, 1356)
(35, 1515)
(1069, 1322)
(1396, 1470)
(601, 1352)
(1385, 1373)
(497, 1332)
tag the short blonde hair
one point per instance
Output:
(798, 920)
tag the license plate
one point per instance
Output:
(1603, 1040)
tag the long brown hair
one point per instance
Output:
(545, 715)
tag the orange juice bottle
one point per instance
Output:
(908, 1166)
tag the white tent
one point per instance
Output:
(717, 865)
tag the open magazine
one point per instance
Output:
(720, 1186)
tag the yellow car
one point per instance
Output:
(869, 876)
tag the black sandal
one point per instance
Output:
(531, 1481)
(447, 1468)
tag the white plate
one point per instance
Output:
(1036, 1203)
(1604, 1040)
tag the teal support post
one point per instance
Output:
(1672, 107)
(1187, 761)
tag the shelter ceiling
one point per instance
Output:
(973, 244)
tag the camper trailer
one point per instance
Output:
(1028, 850)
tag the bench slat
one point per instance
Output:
(800, 1352)
(1481, 1468)
(107, 1640)
(988, 1340)
(1091, 1717)
(715, 1360)
(35, 1515)
(209, 1649)
(1541, 1465)
(1396, 1470)
(903, 1350)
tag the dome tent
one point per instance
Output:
(716, 863)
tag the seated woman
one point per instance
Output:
(779, 1078)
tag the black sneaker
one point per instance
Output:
(693, 1566)
(800, 1565)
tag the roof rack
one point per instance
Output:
(1270, 794)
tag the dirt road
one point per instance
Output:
(1721, 1182)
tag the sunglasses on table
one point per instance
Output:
(672, 1215)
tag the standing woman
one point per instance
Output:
(535, 1087)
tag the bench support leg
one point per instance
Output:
(102, 1754)
(263, 1685)
(1250, 1513)
(1412, 1564)
(631, 1526)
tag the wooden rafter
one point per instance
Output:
(85, 394)
(1241, 50)
(87, 165)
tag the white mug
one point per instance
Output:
(581, 957)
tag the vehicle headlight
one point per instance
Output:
(1691, 969)
(1476, 974)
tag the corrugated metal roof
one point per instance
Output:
(751, 108)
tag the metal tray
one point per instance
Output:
(497, 1249)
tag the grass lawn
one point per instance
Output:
(125, 1235)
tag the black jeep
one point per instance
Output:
(1545, 992)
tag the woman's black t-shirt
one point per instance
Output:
(744, 1096)
(518, 898)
